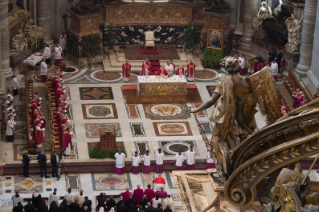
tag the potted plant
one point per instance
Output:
(110, 38)
(188, 37)
(212, 58)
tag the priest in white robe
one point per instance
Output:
(119, 164)
(47, 54)
(159, 159)
(147, 163)
(135, 163)
(10, 129)
(16, 199)
(209, 161)
(44, 70)
(169, 68)
(179, 158)
(54, 197)
(69, 197)
(190, 161)
(57, 54)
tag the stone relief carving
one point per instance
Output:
(32, 31)
(19, 42)
(294, 33)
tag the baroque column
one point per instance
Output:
(251, 7)
(307, 35)
(312, 79)
(43, 13)
(5, 39)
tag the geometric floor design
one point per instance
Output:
(94, 130)
(103, 182)
(172, 128)
(171, 148)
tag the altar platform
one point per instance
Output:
(131, 96)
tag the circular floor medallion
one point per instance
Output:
(166, 110)
(106, 76)
(99, 111)
(174, 148)
(111, 181)
(70, 69)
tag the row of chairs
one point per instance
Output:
(54, 127)
(29, 120)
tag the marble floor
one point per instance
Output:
(96, 103)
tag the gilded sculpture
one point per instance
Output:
(32, 31)
(294, 33)
(19, 42)
(236, 98)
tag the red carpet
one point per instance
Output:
(133, 52)
(149, 50)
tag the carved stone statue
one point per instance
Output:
(19, 42)
(235, 100)
(294, 33)
(264, 13)
(32, 31)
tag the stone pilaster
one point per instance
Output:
(251, 7)
(5, 39)
(59, 8)
(43, 13)
(312, 79)
(307, 35)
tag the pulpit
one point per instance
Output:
(108, 141)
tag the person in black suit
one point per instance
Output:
(149, 207)
(110, 204)
(42, 159)
(26, 162)
(54, 164)
(159, 208)
(122, 208)
(278, 59)
(87, 203)
(144, 201)
(29, 207)
(74, 206)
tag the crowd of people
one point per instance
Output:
(70, 202)
(58, 103)
(148, 200)
(180, 159)
(168, 69)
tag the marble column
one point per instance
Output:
(251, 7)
(59, 8)
(6, 71)
(308, 27)
(43, 13)
(312, 80)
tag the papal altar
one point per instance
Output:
(161, 86)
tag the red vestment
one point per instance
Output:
(126, 195)
(159, 180)
(58, 93)
(126, 68)
(138, 195)
(149, 194)
(43, 120)
(67, 140)
(162, 194)
(58, 118)
(191, 69)
(161, 71)
(61, 133)
(180, 71)
(146, 67)
(40, 137)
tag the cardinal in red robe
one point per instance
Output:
(39, 135)
(161, 71)
(126, 194)
(146, 68)
(126, 68)
(180, 71)
(162, 194)
(58, 93)
(138, 194)
(149, 192)
(67, 142)
(191, 70)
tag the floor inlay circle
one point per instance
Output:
(106, 76)
(175, 148)
(111, 181)
(166, 110)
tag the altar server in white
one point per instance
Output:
(119, 164)
(135, 163)
(159, 158)
(47, 54)
(57, 54)
(147, 163)
(179, 161)
(44, 70)
(54, 197)
(209, 161)
(10, 129)
(190, 161)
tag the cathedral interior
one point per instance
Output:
(225, 91)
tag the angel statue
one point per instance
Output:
(235, 99)
(294, 33)
(264, 12)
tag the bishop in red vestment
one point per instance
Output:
(191, 70)
(39, 135)
(126, 68)
(149, 192)
(162, 194)
(126, 194)
(67, 142)
(146, 68)
(138, 194)
(161, 71)
(180, 71)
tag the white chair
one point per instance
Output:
(149, 39)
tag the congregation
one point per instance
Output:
(148, 200)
